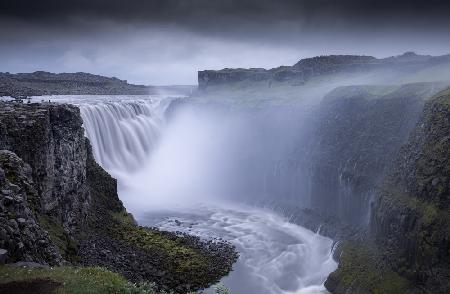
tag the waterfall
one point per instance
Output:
(195, 175)
(122, 133)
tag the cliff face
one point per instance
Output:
(20, 232)
(50, 138)
(408, 247)
(411, 219)
(359, 131)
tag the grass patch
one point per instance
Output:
(74, 280)
(78, 280)
(66, 246)
(182, 259)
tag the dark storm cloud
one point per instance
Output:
(226, 14)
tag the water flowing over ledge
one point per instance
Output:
(122, 129)
(277, 257)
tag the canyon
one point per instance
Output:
(353, 148)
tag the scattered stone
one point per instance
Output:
(434, 182)
(21, 221)
(8, 200)
(13, 224)
(2, 176)
(3, 256)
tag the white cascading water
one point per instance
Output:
(122, 134)
(161, 170)
(122, 130)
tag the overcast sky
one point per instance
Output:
(167, 41)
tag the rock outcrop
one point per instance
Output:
(50, 138)
(20, 233)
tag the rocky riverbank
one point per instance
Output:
(58, 206)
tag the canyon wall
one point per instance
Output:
(50, 139)
(407, 249)
(410, 223)
(357, 134)
(373, 158)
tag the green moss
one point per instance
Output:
(183, 259)
(74, 280)
(123, 217)
(427, 212)
(443, 97)
(361, 271)
(429, 229)
(66, 245)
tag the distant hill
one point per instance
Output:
(45, 83)
(310, 68)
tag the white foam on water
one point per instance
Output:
(276, 257)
